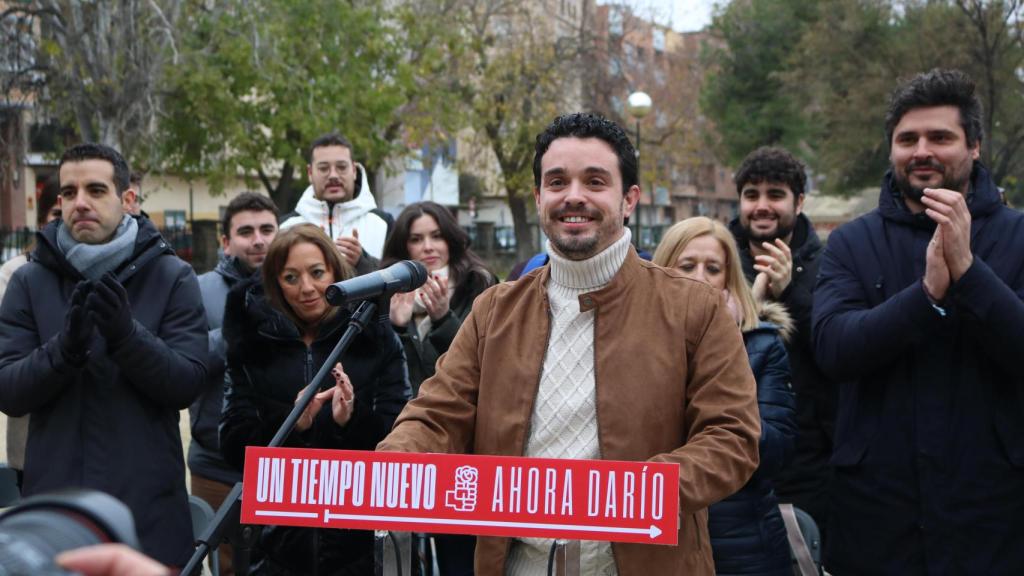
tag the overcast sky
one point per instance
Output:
(685, 15)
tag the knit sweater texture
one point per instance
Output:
(564, 421)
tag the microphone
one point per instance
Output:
(404, 276)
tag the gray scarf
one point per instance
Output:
(95, 260)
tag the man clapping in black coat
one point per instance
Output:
(103, 340)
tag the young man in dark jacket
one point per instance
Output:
(918, 312)
(103, 341)
(779, 252)
(248, 227)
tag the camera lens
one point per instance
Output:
(37, 529)
(28, 542)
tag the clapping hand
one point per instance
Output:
(434, 295)
(78, 325)
(350, 248)
(776, 265)
(341, 396)
(401, 308)
(110, 310)
(949, 209)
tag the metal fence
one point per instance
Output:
(503, 238)
(180, 240)
(500, 243)
(16, 241)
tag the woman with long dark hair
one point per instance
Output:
(427, 319)
(279, 331)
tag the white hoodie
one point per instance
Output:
(345, 216)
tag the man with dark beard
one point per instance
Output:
(779, 252)
(615, 358)
(918, 312)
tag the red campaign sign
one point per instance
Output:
(463, 494)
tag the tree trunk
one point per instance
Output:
(525, 244)
(284, 194)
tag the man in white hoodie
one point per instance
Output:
(339, 201)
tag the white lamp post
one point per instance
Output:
(638, 105)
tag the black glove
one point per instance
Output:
(78, 325)
(109, 308)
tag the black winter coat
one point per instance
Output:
(268, 364)
(111, 425)
(804, 482)
(746, 529)
(422, 354)
(929, 458)
(204, 457)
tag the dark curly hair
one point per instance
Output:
(769, 164)
(94, 151)
(938, 87)
(246, 201)
(588, 125)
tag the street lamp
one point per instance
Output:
(638, 105)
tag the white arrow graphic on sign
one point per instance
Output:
(653, 531)
(282, 514)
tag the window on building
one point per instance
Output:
(658, 40)
(615, 21)
(174, 219)
(614, 67)
(17, 43)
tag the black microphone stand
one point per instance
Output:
(229, 512)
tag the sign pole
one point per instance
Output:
(567, 557)
(229, 509)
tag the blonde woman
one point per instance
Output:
(746, 529)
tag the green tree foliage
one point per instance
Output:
(513, 103)
(825, 93)
(745, 94)
(518, 72)
(839, 76)
(260, 79)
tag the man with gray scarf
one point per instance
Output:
(103, 340)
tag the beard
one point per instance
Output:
(951, 180)
(783, 228)
(577, 246)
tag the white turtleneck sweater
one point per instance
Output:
(564, 420)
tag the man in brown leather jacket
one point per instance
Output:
(598, 354)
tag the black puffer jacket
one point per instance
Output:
(422, 353)
(268, 364)
(746, 529)
(805, 481)
(112, 424)
(204, 458)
